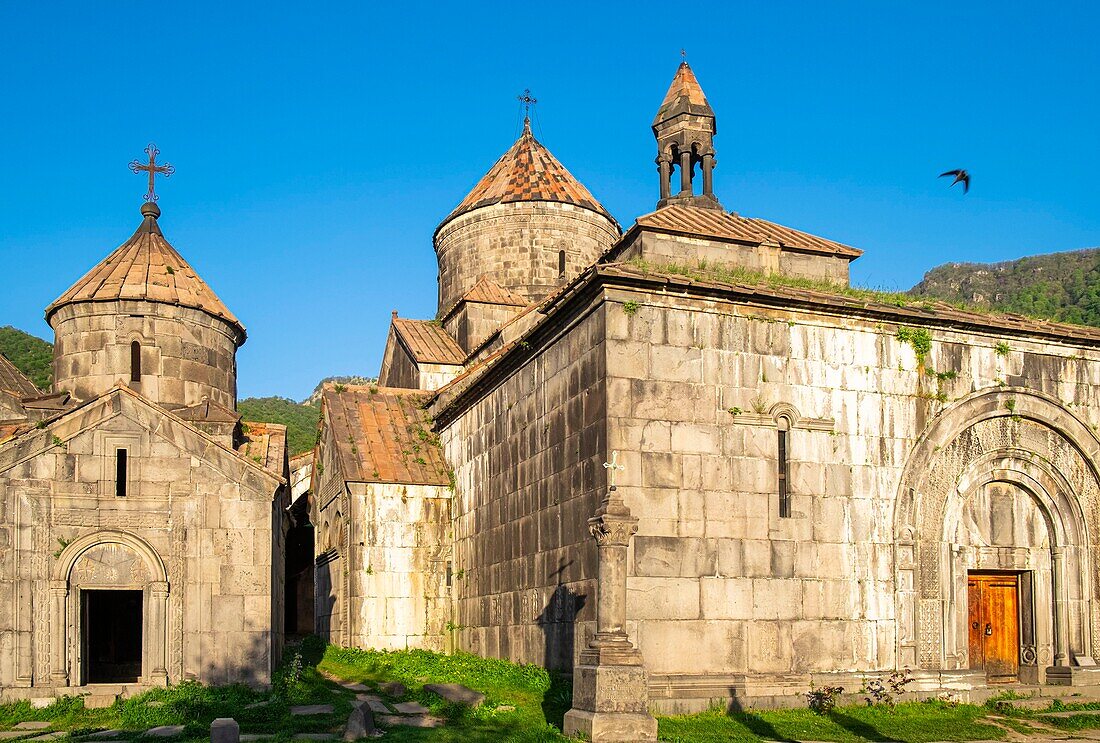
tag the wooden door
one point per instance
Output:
(994, 620)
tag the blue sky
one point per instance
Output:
(317, 146)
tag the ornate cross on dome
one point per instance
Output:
(152, 168)
(527, 100)
(612, 467)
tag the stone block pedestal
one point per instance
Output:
(609, 704)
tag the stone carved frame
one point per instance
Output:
(1010, 435)
(140, 568)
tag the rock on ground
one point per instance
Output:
(414, 721)
(164, 731)
(411, 708)
(457, 693)
(312, 709)
(393, 689)
(360, 723)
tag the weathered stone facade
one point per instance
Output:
(142, 525)
(822, 481)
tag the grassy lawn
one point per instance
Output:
(523, 704)
(914, 722)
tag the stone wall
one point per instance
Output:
(527, 462)
(194, 532)
(186, 354)
(697, 390)
(473, 322)
(517, 245)
(401, 551)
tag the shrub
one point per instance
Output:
(823, 701)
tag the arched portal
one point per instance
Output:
(98, 581)
(993, 527)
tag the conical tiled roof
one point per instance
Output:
(684, 96)
(146, 267)
(528, 172)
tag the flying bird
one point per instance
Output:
(961, 176)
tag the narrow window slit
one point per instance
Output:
(784, 472)
(120, 473)
(135, 361)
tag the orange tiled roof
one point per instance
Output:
(691, 220)
(265, 444)
(146, 267)
(382, 435)
(684, 95)
(428, 342)
(528, 172)
(489, 292)
(14, 381)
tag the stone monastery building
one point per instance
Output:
(683, 462)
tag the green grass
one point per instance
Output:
(913, 722)
(537, 699)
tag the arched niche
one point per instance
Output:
(1018, 442)
(107, 560)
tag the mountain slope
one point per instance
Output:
(1057, 286)
(32, 356)
(300, 420)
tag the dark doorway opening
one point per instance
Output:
(298, 599)
(112, 636)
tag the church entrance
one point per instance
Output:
(112, 624)
(994, 619)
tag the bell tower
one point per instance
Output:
(685, 127)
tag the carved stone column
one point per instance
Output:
(59, 623)
(708, 174)
(685, 173)
(610, 685)
(157, 631)
(664, 167)
(1058, 589)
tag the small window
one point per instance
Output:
(120, 473)
(135, 362)
(784, 472)
(561, 263)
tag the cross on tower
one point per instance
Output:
(152, 168)
(612, 467)
(527, 100)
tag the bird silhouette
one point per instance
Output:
(961, 176)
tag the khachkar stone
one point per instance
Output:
(610, 684)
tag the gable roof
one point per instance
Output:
(31, 442)
(265, 444)
(208, 411)
(14, 381)
(488, 291)
(527, 172)
(693, 221)
(146, 267)
(427, 342)
(382, 435)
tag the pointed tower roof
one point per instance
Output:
(146, 267)
(683, 96)
(527, 172)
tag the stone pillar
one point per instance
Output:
(664, 167)
(610, 684)
(1058, 590)
(157, 632)
(59, 624)
(685, 173)
(708, 174)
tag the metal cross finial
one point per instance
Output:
(612, 467)
(527, 100)
(152, 168)
(683, 55)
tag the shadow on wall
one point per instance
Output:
(327, 622)
(558, 624)
(246, 659)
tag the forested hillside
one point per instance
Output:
(300, 419)
(1057, 286)
(32, 356)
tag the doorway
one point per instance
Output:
(994, 622)
(111, 637)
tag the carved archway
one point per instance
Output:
(115, 560)
(1023, 439)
